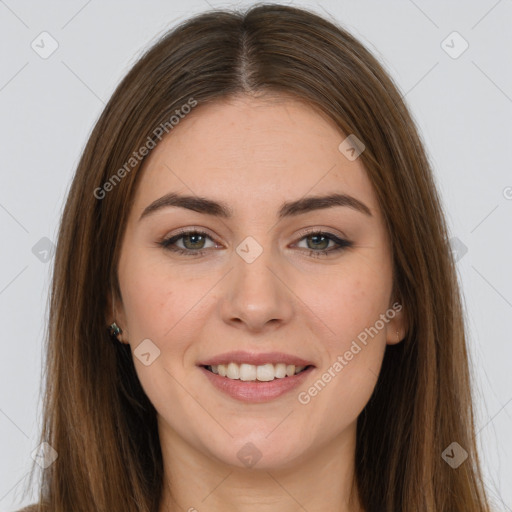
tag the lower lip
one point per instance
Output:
(256, 391)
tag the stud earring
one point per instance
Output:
(115, 330)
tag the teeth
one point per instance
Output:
(265, 372)
(280, 370)
(247, 371)
(250, 372)
(233, 371)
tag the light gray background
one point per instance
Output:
(462, 105)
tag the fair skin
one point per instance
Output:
(253, 155)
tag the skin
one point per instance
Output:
(254, 154)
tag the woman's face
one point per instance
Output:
(274, 280)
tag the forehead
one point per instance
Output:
(244, 149)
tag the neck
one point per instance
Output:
(322, 481)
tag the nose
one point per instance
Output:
(256, 295)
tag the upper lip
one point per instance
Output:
(241, 357)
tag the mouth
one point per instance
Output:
(260, 373)
(254, 378)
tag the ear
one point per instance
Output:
(397, 326)
(115, 313)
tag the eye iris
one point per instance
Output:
(316, 238)
(196, 238)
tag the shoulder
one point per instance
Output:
(33, 508)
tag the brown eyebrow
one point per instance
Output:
(288, 209)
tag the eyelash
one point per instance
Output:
(168, 242)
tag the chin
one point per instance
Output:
(258, 453)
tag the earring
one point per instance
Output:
(115, 330)
(397, 336)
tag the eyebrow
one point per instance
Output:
(288, 209)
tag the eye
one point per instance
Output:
(193, 243)
(318, 243)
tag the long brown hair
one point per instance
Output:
(96, 414)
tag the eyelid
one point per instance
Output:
(169, 242)
(321, 229)
(190, 230)
(298, 237)
(341, 243)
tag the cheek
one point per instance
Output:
(354, 343)
(157, 301)
(171, 306)
(145, 299)
(348, 302)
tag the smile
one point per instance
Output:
(249, 372)
(254, 390)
